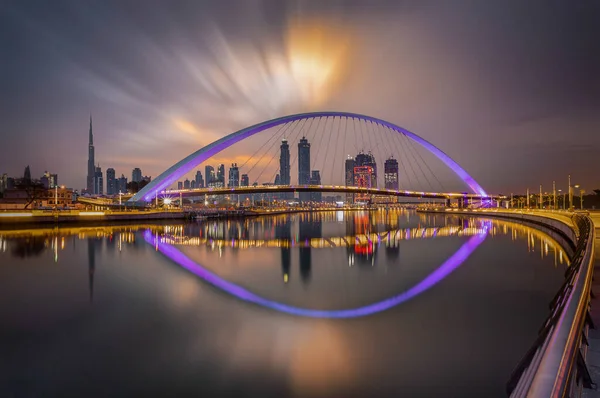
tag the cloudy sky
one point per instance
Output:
(510, 90)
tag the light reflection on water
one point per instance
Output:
(107, 303)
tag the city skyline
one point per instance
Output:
(455, 89)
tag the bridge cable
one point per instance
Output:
(418, 164)
(378, 146)
(296, 157)
(328, 142)
(394, 137)
(292, 133)
(337, 137)
(402, 145)
(295, 139)
(278, 134)
(390, 141)
(263, 146)
(320, 137)
(263, 155)
(343, 176)
(412, 144)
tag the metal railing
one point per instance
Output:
(555, 364)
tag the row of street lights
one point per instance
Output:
(554, 196)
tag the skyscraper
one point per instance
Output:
(221, 175)
(122, 184)
(91, 174)
(27, 174)
(367, 159)
(234, 180)
(304, 167)
(349, 177)
(363, 178)
(136, 175)
(110, 181)
(315, 179)
(179, 185)
(98, 188)
(209, 175)
(244, 182)
(390, 175)
(3, 182)
(284, 167)
(199, 180)
(234, 176)
(186, 184)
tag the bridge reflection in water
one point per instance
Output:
(364, 234)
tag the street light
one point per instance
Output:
(581, 192)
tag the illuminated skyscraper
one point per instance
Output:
(391, 174)
(363, 178)
(304, 167)
(367, 159)
(234, 176)
(91, 173)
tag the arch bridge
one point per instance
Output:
(366, 127)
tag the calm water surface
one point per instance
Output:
(333, 304)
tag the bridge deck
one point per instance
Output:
(274, 189)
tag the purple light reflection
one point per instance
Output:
(452, 263)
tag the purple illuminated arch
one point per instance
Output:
(186, 165)
(239, 292)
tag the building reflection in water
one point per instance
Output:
(309, 227)
(91, 243)
(367, 235)
(283, 232)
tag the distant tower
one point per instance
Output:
(209, 176)
(304, 167)
(234, 176)
(349, 177)
(221, 175)
(27, 174)
(367, 159)
(315, 179)
(91, 162)
(199, 180)
(136, 175)
(390, 175)
(98, 188)
(111, 182)
(284, 167)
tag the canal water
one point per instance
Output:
(329, 304)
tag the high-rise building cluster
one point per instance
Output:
(114, 185)
(361, 171)
(306, 176)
